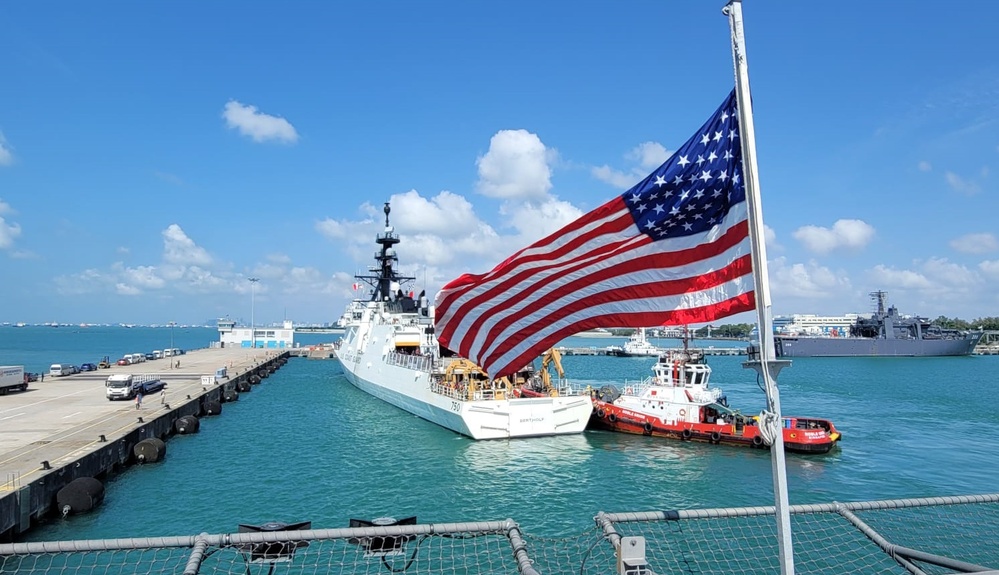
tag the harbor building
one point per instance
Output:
(256, 337)
(811, 324)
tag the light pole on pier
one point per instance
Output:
(253, 327)
(173, 323)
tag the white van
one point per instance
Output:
(60, 369)
(168, 352)
(139, 357)
(157, 354)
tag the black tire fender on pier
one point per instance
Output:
(686, 434)
(715, 437)
(757, 441)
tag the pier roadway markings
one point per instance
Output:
(62, 418)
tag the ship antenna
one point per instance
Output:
(386, 209)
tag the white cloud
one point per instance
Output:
(516, 167)
(6, 155)
(925, 166)
(886, 276)
(534, 221)
(257, 125)
(615, 178)
(935, 285)
(849, 234)
(125, 289)
(445, 215)
(960, 185)
(649, 155)
(181, 250)
(805, 280)
(975, 243)
(770, 239)
(8, 231)
(948, 275)
(990, 268)
(144, 277)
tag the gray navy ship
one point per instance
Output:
(885, 333)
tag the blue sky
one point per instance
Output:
(155, 155)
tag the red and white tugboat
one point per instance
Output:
(676, 402)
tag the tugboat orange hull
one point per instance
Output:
(801, 435)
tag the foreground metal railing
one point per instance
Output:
(919, 536)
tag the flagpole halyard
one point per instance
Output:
(768, 365)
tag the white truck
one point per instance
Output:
(12, 379)
(127, 386)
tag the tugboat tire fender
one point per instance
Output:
(612, 418)
(600, 414)
(686, 433)
(757, 441)
(715, 437)
(647, 427)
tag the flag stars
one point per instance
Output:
(705, 139)
(705, 175)
(660, 181)
(723, 175)
(700, 160)
(658, 209)
(683, 161)
(732, 135)
(719, 135)
(641, 208)
(728, 155)
(712, 157)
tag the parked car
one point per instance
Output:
(123, 361)
(61, 369)
(150, 357)
(88, 367)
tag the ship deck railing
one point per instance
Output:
(921, 536)
(409, 361)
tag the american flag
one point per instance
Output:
(672, 250)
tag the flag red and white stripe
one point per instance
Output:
(673, 250)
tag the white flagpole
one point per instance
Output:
(762, 285)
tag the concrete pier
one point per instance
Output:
(65, 427)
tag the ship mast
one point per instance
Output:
(388, 279)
